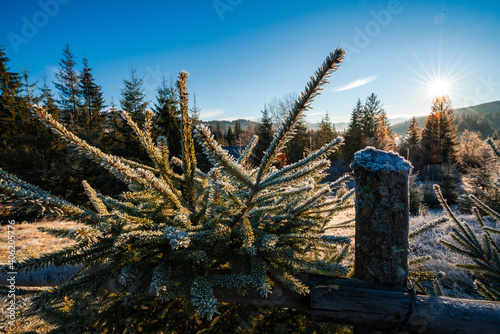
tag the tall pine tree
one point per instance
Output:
(167, 117)
(265, 134)
(133, 101)
(67, 83)
(10, 86)
(439, 136)
(92, 105)
(326, 131)
(410, 147)
(354, 136)
(237, 132)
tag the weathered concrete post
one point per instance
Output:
(382, 218)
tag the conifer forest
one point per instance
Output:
(171, 223)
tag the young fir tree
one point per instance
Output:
(133, 100)
(167, 117)
(483, 250)
(237, 133)
(326, 131)
(384, 137)
(299, 143)
(67, 83)
(219, 136)
(439, 136)
(115, 136)
(354, 136)
(265, 134)
(30, 127)
(49, 143)
(230, 138)
(410, 147)
(371, 109)
(92, 99)
(173, 239)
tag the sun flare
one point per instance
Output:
(439, 87)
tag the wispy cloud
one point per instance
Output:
(210, 113)
(356, 83)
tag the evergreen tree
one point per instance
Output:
(133, 100)
(230, 138)
(326, 131)
(371, 110)
(69, 89)
(413, 135)
(439, 137)
(299, 143)
(195, 112)
(92, 105)
(167, 117)
(375, 125)
(265, 134)
(355, 139)
(10, 86)
(237, 132)
(219, 136)
(410, 148)
(115, 134)
(50, 144)
(184, 237)
(30, 126)
(384, 138)
(47, 100)
(495, 136)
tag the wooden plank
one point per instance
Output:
(386, 310)
(353, 302)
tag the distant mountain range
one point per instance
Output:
(224, 125)
(484, 118)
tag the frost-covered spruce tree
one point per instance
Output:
(173, 239)
(483, 250)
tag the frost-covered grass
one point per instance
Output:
(457, 282)
(442, 263)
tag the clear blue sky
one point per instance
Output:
(241, 54)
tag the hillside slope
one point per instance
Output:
(484, 118)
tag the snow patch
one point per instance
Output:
(376, 160)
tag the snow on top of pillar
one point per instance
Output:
(376, 160)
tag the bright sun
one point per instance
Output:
(439, 87)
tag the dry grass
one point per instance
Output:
(27, 235)
(442, 263)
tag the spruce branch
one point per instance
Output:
(247, 153)
(15, 189)
(188, 153)
(94, 199)
(311, 91)
(220, 158)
